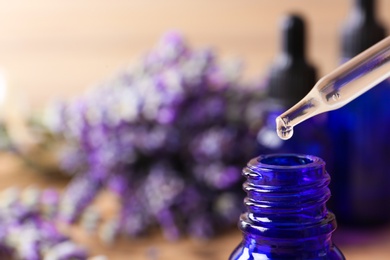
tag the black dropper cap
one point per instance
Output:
(361, 30)
(291, 77)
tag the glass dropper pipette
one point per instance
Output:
(339, 87)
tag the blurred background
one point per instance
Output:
(59, 49)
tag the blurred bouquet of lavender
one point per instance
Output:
(27, 231)
(169, 136)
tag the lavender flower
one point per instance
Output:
(27, 233)
(168, 135)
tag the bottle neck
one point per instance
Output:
(366, 9)
(361, 29)
(312, 248)
(286, 206)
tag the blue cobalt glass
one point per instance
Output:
(286, 214)
(360, 134)
(361, 178)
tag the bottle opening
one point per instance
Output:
(285, 160)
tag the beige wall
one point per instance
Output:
(60, 47)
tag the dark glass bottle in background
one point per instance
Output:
(290, 78)
(360, 133)
(286, 214)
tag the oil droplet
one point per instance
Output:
(284, 131)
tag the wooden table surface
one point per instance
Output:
(59, 48)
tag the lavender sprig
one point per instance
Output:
(28, 233)
(168, 135)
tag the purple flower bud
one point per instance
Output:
(218, 176)
(79, 194)
(66, 250)
(201, 226)
(171, 47)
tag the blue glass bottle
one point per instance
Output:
(359, 131)
(286, 214)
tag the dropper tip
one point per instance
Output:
(284, 131)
